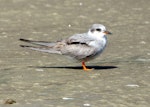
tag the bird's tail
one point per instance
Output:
(41, 43)
(41, 46)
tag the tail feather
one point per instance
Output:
(42, 46)
(41, 49)
(41, 43)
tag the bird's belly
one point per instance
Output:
(99, 49)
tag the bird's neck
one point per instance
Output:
(97, 36)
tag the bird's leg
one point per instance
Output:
(84, 67)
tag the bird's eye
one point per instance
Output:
(98, 30)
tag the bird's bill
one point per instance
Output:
(107, 32)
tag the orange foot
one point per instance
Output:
(84, 67)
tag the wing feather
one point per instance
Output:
(79, 39)
(78, 51)
(77, 46)
(41, 43)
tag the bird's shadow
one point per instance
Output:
(78, 67)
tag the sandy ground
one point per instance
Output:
(34, 79)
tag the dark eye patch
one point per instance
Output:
(98, 30)
(92, 30)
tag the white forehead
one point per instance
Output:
(98, 26)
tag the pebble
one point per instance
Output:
(86, 105)
(132, 85)
(67, 98)
(10, 101)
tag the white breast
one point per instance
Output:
(99, 44)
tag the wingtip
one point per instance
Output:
(24, 46)
(20, 38)
(25, 40)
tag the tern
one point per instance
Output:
(82, 47)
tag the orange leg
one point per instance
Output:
(84, 67)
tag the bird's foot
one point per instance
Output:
(85, 68)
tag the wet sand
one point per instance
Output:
(34, 79)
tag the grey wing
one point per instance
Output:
(41, 43)
(41, 49)
(78, 48)
(41, 46)
(79, 38)
(78, 51)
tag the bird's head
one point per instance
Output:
(98, 30)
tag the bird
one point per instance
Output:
(81, 47)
